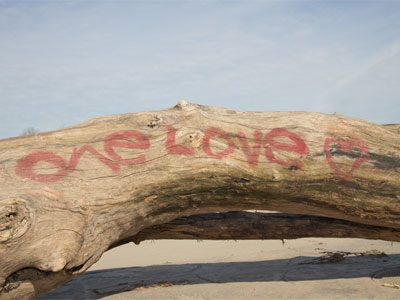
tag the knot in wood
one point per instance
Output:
(196, 138)
(15, 219)
(155, 122)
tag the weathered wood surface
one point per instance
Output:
(69, 195)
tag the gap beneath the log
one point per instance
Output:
(255, 225)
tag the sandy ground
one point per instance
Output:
(296, 269)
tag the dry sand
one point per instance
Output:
(295, 269)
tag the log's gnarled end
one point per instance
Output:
(40, 236)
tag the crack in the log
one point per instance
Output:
(101, 177)
(353, 153)
(385, 162)
(382, 162)
(75, 269)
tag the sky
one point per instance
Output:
(63, 62)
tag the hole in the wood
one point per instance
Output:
(74, 269)
(14, 280)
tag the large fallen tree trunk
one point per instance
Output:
(68, 196)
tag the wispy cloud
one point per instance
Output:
(64, 62)
(372, 89)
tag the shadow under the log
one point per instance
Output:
(102, 283)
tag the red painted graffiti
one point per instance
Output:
(78, 153)
(298, 147)
(136, 140)
(176, 149)
(213, 132)
(253, 154)
(345, 146)
(121, 139)
(25, 166)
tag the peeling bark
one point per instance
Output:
(69, 195)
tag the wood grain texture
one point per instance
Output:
(69, 195)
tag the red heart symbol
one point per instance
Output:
(346, 146)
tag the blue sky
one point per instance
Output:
(63, 62)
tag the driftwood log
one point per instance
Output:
(188, 172)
